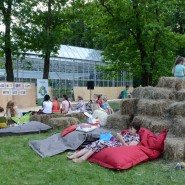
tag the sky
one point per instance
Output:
(1, 28)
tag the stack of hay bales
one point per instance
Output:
(158, 108)
(175, 143)
(152, 107)
(120, 120)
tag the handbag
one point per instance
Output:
(3, 122)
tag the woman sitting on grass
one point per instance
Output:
(12, 110)
(129, 138)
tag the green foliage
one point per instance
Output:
(134, 35)
(143, 37)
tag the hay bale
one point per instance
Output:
(152, 107)
(155, 124)
(178, 126)
(154, 93)
(45, 118)
(177, 109)
(180, 95)
(35, 118)
(63, 122)
(118, 121)
(174, 149)
(78, 115)
(129, 106)
(56, 115)
(171, 82)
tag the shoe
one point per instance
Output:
(178, 166)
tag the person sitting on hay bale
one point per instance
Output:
(56, 107)
(46, 106)
(80, 107)
(99, 100)
(129, 138)
(66, 105)
(106, 106)
(179, 69)
(99, 113)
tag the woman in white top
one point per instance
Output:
(66, 105)
(100, 114)
(47, 105)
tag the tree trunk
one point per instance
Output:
(8, 52)
(143, 55)
(46, 66)
(47, 49)
(145, 75)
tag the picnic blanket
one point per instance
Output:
(56, 144)
(27, 128)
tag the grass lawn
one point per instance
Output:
(20, 165)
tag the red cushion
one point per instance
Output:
(152, 141)
(119, 157)
(68, 130)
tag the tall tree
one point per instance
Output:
(41, 29)
(9, 11)
(137, 38)
(48, 51)
(6, 11)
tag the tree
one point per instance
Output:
(80, 26)
(10, 9)
(176, 20)
(6, 11)
(136, 37)
(41, 28)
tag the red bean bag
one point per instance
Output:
(150, 147)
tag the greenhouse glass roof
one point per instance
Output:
(79, 53)
(73, 52)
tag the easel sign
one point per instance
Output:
(42, 90)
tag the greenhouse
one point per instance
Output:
(73, 66)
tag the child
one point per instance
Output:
(106, 106)
(129, 138)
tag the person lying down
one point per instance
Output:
(131, 137)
